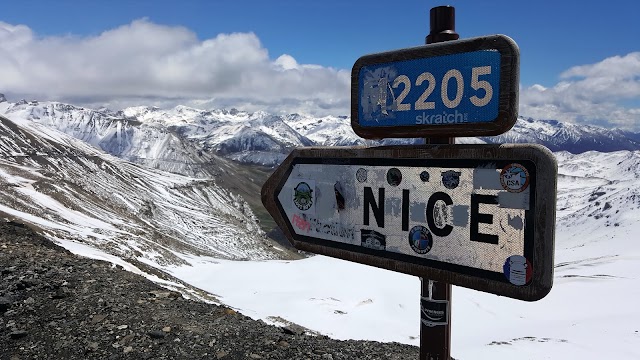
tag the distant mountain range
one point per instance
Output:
(193, 142)
(166, 189)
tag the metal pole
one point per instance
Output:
(435, 296)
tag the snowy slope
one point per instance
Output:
(70, 190)
(591, 312)
(325, 131)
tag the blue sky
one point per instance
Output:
(554, 37)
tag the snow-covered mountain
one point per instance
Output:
(156, 142)
(70, 190)
(593, 301)
(150, 143)
(193, 142)
(188, 226)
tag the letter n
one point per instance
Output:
(376, 207)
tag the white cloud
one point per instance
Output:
(143, 63)
(286, 62)
(151, 64)
(597, 93)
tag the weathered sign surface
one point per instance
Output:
(455, 88)
(479, 216)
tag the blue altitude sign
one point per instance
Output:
(457, 88)
(450, 89)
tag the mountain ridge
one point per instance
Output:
(43, 170)
(184, 139)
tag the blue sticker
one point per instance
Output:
(451, 179)
(420, 239)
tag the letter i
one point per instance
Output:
(405, 210)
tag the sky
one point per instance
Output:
(579, 63)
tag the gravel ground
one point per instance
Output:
(55, 305)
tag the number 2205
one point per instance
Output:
(423, 104)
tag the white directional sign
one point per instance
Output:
(474, 221)
(449, 214)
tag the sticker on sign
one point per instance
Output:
(456, 88)
(475, 216)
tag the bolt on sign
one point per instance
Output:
(478, 216)
(454, 88)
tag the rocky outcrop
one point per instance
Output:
(55, 305)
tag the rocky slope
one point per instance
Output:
(71, 190)
(55, 305)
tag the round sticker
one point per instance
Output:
(361, 175)
(302, 197)
(451, 179)
(394, 177)
(514, 178)
(420, 239)
(518, 270)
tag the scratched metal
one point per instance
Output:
(328, 222)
